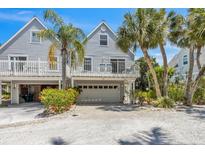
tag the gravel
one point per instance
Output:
(112, 124)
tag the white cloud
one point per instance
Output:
(23, 12)
(14, 17)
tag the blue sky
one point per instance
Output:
(11, 20)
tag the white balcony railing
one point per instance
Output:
(29, 68)
(118, 69)
(44, 68)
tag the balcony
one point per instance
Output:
(114, 69)
(29, 68)
(45, 69)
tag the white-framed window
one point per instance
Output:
(87, 64)
(185, 60)
(34, 38)
(19, 61)
(103, 39)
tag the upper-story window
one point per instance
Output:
(87, 64)
(34, 37)
(103, 40)
(185, 59)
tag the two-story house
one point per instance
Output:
(181, 63)
(107, 75)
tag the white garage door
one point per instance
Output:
(100, 93)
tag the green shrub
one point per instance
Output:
(6, 96)
(58, 101)
(199, 95)
(176, 92)
(165, 102)
(145, 96)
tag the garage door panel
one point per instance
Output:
(100, 93)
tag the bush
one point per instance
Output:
(145, 96)
(176, 92)
(58, 101)
(199, 95)
(6, 96)
(165, 102)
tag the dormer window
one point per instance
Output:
(103, 40)
(185, 59)
(34, 37)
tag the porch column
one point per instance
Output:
(59, 84)
(0, 92)
(72, 83)
(14, 93)
(127, 92)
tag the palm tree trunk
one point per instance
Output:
(198, 53)
(165, 73)
(196, 81)
(64, 83)
(151, 68)
(188, 94)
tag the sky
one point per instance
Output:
(11, 20)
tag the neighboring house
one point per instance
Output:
(181, 63)
(107, 75)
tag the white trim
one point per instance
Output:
(103, 22)
(34, 30)
(108, 40)
(28, 23)
(91, 63)
(183, 60)
(15, 55)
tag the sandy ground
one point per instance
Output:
(111, 124)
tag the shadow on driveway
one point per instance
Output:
(153, 137)
(194, 111)
(58, 141)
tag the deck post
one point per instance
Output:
(59, 84)
(39, 71)
(127, 92)
(14, 93)
(0, 92)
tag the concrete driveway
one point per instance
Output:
(20, 113)
(113, 124)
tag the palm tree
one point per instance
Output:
(190, 34)
(65, 37)
(138, 29)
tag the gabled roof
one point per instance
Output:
(18, 32)
(101, 23)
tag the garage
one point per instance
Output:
(105, 93)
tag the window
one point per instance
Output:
(118, 65)
(19, 62)
(176, 66)
(103, 40)
(34, 37)
(185, 60)
(102, 67)
(87, 64)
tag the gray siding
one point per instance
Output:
(103, 54)
(21, 44)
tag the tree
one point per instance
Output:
(190, 34)
(162, 29)
(65, 37)
(138, 30)
(143, 82)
